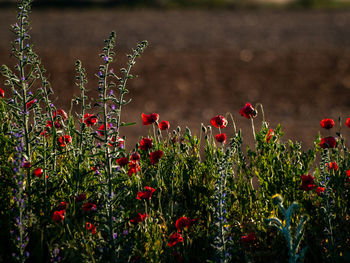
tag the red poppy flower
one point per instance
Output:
(135, 157)
(123, 161)
(149, 119)
(89, 207)
(248, 111)
(90, 119)
(146, 195)
(164, 125)
(2, 93)
(58, 216)
(91, 227)
(80, 198)
(307, 182)
(155, 156)
(347, 123)
(139, 218)
(61, 113)
(332, 166)
(219, 121)
(57, 124)
(30, 103)
(38, 172)
(146, 144)
(269, 135)
(183, 222)
(101, 129)
(221, 137)
(327, 123)
(134, 167)
(328, 142)
(320, 190)
(348, 175)
(250, 238)
(64, 140)
(174, 239)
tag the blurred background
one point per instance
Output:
(205, 57)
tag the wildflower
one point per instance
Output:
(135, 157)
(62, 206)
(183, 222)
(27, 164)
(248, 111)
(30, 103)
(327, 123)
(174, 239)
(61, 113)
(38, 172)
(221, 137)
(348, 175)
(155, 156)
(101, 129)
(146, 194)
(89, 207)
(116, 143)
(2, 93)
(219, 121)
(80, 198)
(332, 166)
(164, 125)
(307, 182)
(347, 123)
(134, 167)
(250, 238)
(139, 218)
(269, 135)
(149, 119)
(328, 142)
(320, 190)
(146, 144)
(58, 216)
(57, 124)
(91, 227)
(90, 119)
(123, 161)
(64, 140)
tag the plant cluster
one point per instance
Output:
(71, 192)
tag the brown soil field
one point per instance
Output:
(203, 63)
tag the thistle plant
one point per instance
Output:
(293, 240)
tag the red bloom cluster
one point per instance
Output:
(347, 123)
(135, 157)
(139, 218)
(38, 172)
(218, 121)
(80, 198)
(29, 104)
(62, 206)
(90, 119)
(328, 142)
(123, 161)
(327, 123)
(146, 195)
(248, 111)
(320, 190)
(221, 137)
(146, 144)
(101, 129)
(164, 125)
(91, 227)
(58, 216)
(149, 119)
(155, 156)
(2, 93)
(183, 222)
(60, 113)
(332, 166)
(89, 207)
(269, 135)
(307, 182)
(64, 140)
(134, 167)
(174, 239)
(249, 238)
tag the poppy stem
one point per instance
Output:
(253, 129)
(233, 122)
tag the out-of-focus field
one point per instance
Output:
(203, 63)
